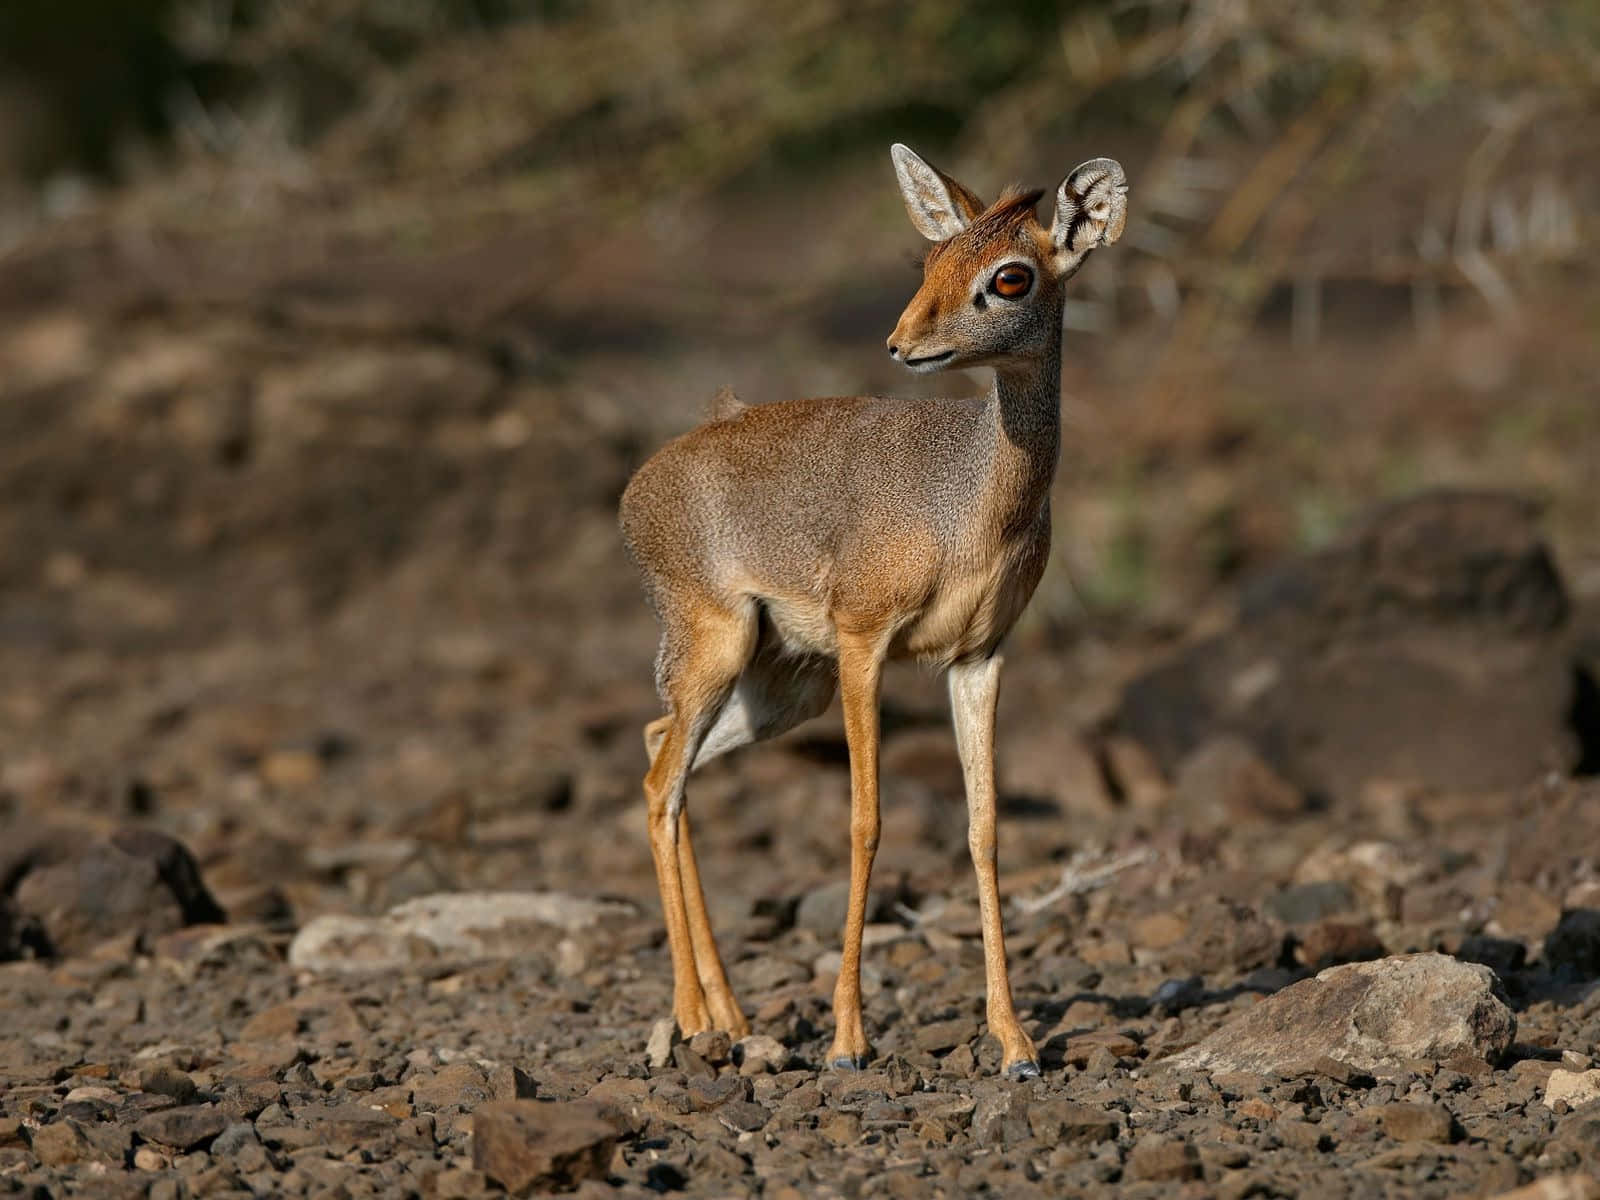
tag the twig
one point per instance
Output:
(1078, 877)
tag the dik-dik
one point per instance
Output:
(786, 546)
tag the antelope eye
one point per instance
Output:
(1012, 281)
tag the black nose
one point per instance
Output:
(894, 351)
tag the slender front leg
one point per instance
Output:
(974, 691)
(860, 664)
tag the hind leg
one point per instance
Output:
(724, 1008)
(776, 691)
(703, 649)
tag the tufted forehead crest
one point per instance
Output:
(998, 222)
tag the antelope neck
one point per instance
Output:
(1023, 413)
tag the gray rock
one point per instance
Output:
(1001, 1117)
(1162, 1158)
(1060, 1122)
(460, 1085)
(1225, 780)
(1329, 943)
(822, 910)
(1573, 945)
(1224, 936)
(1371, 1016)
(65, 1142)
(233, 1139)
(1307, 903)
(712, 1045)
(137, 882)
(1416, 1122)
(1556, 1187)
(184, 1129)
(937, 1036)
(1427, 645)
(509, 1082)
(663, 1037)
(460, 926)
(166, 1080)
(743, 1116)
(21, 934)
(1575, 1088)
(759, 1054)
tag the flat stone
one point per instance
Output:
(460, 1085)
(690, 1063)
(1575, 1088)
(760, 1055)
(1330, 943)
(744, 1116)
(1080, 1048)
(1556, 1187)
(1001, 1117)
(348, 1125)
(712, 1045)
(1416, 1122)
(183, 1128)
(1065, 1123)
(1301, 1135)
(1224, 780)
(63, 1143)
(663, 1037)
(1307, 903)
(623, 1102)
(455, 926)
(165, 1080)
(938, 1036)
(1372, 1016)
(1162, 1158)
(528, 1146)
(706, 1093)
(822, 910)
(1224, 936)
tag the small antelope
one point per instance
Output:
(784, 546)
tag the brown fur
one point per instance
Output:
(782, 539)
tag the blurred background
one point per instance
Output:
(330, 331)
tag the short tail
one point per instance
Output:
(725, 404)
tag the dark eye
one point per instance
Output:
(1012, 281)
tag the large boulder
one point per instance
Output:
(1372, 1016)
(136, 882)
(1431, 645)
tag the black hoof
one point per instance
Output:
(849, 1062)
(1026, 1069)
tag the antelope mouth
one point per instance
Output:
(931, 360)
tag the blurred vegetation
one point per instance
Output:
(1299, 166)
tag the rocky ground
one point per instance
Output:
(323, 868)
(200, 1062)
(468, 998)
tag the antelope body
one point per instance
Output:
(788, 546)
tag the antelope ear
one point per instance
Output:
(1091, 210)
(938, 206)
